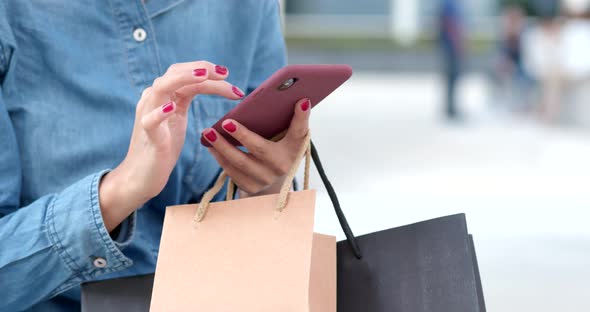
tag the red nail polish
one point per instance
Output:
(305, 105)
(237, 91)
(211, 136)
(199, 72)
(168, 107)
(222, 70)
(230, 127)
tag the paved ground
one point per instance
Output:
(523, 186)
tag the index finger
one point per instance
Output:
(183, 74)
(184, 95)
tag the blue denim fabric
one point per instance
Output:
(71, 73)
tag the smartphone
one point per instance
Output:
(268, 110)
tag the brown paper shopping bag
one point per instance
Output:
(254, 255)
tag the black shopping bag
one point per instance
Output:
(127, 294)
(423, 267)
(428, 266)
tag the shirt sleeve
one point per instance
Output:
(55, 242)
(270, 53)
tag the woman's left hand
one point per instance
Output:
(262, 170)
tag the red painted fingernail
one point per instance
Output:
(211, 136)
(222, 70)
(230, 127)
(305, 105)
(168, 107)
(199, 72)
(237, 91)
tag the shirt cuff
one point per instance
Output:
(126, 231)
(76, 229)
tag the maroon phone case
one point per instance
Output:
(268, 111)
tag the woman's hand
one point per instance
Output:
(158, 136)
(262, 170)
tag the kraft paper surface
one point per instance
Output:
(244, 256)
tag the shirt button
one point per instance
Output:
(139, 34)
(100, 263)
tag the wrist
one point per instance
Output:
(274, 188)
(118, 197)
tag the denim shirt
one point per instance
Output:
(71, 73)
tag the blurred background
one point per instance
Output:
(455, 106)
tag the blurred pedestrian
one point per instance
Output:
(543, 57)
(511, 79)
(453, 50)
(576, 63)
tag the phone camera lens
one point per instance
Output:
(287, 84)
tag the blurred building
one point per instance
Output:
(380, 18)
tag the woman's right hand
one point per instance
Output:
(158, 136)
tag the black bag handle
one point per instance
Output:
(352, 242)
